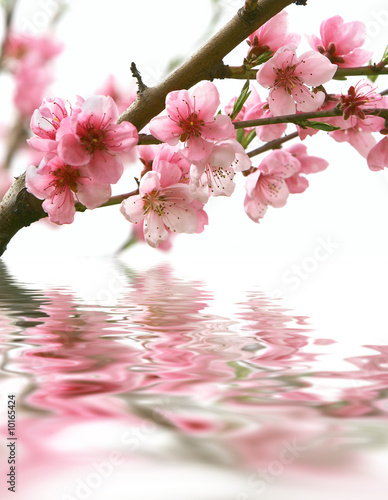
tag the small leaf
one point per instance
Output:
(240, 135)
(326, 127)
(240, 101)
(385, 55)
(248, 138)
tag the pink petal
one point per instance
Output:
(133, 209)
(122, 137)
(99, 109)
(378, 156)
(314, 68)
(61, 208)
(197, 148)
(44, 145)
(150, 182)
(274, 190)
(154, 229)
(297, 184)
(307, 101)
(92, 194)
(71, 152)
(205, 100)
(221, 127)
(164, 129)
(255, 210)
(105, 168)
(38, 184)
(363, 142)
(281, 102)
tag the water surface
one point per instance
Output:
(140, 390)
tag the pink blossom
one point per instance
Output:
(340, 42)
(359, 97)
(297, 183)
(38, 49)
(267, 185)
(93, 138)
(31, 82)
(45, 122)
(213, 176)
(287, 76)
(163, 209)
(359, 132)
(61, 185)
(191, 119)
(122, 98)
(378, 156)
(172, 166)
(271, 36)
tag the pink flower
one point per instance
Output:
(271, 36)
(122, 98)
(378, 156)
(358, 131)
(61, 185)
(31, 82)
(92, 137)
(287, 76)
(267, 186)
(39, 49)
(190, 118)
(339, 42)
(213, 176)
(359, 97)
(297, 183)
(45, 122)
(163, 209)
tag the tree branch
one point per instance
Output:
(203, 64)
(243, 73)
(19, 208)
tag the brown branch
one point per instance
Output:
(204, 63)
(275, 144)
(243, 73)
(19, 208)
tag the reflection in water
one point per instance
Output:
(109, 396)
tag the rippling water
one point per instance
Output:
(140, 391)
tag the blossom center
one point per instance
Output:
(154, 201)
(65, 178)
(352, 103)
(191, 126)
(286, 78)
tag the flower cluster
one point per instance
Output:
(202, 150)
(28, 58)
(82, 146)
(177, 182)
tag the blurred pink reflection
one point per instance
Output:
(235, 393)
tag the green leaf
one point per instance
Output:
(240, 101)
(248, 138)
(385, 55)
(264, 57)
(326, 127)
(240, 134)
